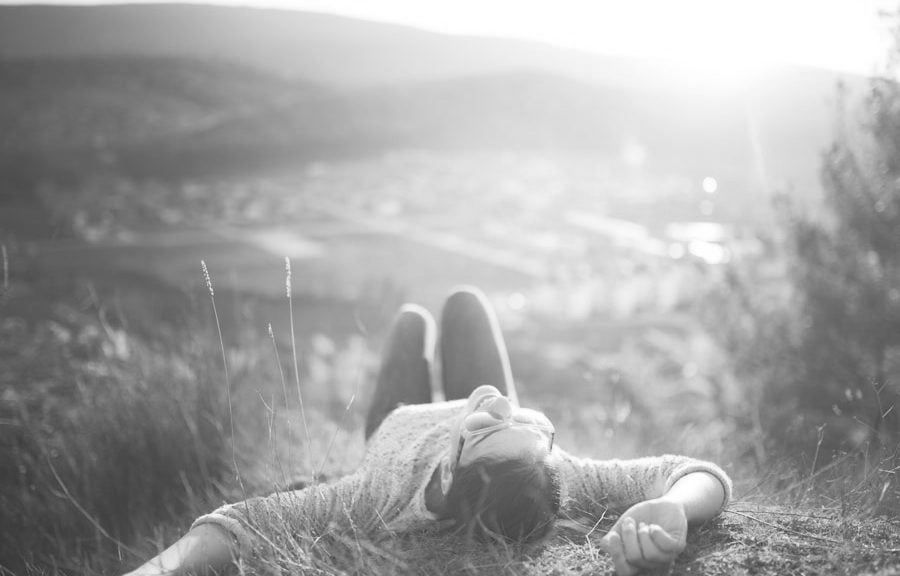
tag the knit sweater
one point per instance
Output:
(387, 492)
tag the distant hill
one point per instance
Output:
(70, 116)
(317, 47)
(186, 117)
(68, 103)
(780, 121)
(189, 89)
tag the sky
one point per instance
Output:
(845, 35)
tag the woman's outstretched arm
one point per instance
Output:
(701, 494)
(237, 530)
(596, 487)
(653, 533)
(656, 498)
(205, 549)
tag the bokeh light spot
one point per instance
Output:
(516, 301)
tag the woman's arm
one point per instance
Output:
(595, 487)
(236, 530)
(657, 497)
(205, 549)
(701, 494)
(653, 533)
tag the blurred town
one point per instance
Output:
(532, 225)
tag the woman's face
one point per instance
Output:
(514, 431)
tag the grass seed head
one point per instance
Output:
(206, 277)
(287, 277)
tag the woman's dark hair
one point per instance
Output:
(514, 498)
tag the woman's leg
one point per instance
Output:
(405, 374)
(472, 348)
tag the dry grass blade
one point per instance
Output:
(82, 511)
(212, 298)
(288, 293)
(285, 393)
(832, 541)
(334, 436)
(5, 288)
(782, 513)
(784, 529)
(808, 479)
(340, 426)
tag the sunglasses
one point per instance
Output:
(548, 430)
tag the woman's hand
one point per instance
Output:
(206, 549)
(650, 534)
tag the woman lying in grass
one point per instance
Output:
(477, 462)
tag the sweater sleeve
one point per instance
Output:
(310, 512)
(594, 486)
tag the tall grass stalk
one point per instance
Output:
(286, 404)
(5, 258)
(87, 515)
(338, 429)
(272, 430)
(212, 298)
(288, 292)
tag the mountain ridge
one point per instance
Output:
(320, 47)
(326, 84)
(177, 116)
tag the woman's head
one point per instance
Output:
(503, 482)
(516, 498)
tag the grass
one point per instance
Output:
(227, 383)
(104, 434)
(116, 427)
(820, 527)
(747, 539)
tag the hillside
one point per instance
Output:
(70, 103)
(63, 117)
(781, 117)
(187, 65)
(176, 116)
(190, 90)
(318, 47)
(207, 86)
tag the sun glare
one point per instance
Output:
(711, 37)
(733, 39)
